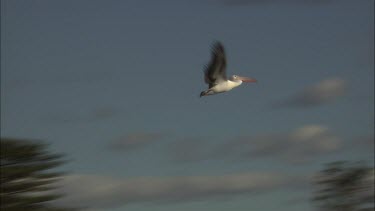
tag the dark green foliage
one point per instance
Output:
(344, 186)
(26, 177)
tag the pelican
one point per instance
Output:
(215, 76)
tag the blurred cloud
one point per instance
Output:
(75, 117)
(298, 146)
(363, 144)
(325, 91)
(135, 140)
(367, 143)
(95, 191)
(191, 149)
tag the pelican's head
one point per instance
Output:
(243, 79)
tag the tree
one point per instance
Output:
(344, 186)
(27, 182)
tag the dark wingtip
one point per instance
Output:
(217, 45)
(217, 48)
(202, 94)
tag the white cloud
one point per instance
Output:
(316, 137)
(96, 192)
(298, 146)
(308, 132)
(325, 91)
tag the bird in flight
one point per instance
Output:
(215, 73)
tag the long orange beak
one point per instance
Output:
(249, 80)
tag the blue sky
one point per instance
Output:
(114, 85)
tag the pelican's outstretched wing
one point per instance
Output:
(215, 71)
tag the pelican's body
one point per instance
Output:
(224, 86)
(215, 76)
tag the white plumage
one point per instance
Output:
(215, 74)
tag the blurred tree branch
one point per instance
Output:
(26, 176)
(344, 186)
